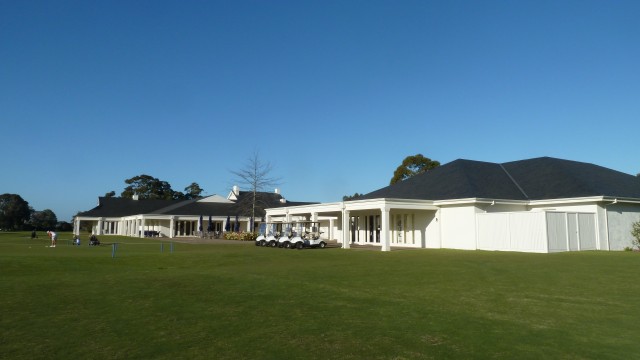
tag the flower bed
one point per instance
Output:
(240, 236)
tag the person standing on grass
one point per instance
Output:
(54, 238)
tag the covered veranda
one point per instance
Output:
(156, 225)
(379, 222)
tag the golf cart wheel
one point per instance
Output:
(263, 243)
(273, 244)
(299, 245)
(257, 243)
(287, 245)
(322, 245)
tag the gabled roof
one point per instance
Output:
(532, 179)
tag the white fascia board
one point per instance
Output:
(157, 217)
(276, 211)
(368, 204)
(590, 199)
(622, 200)
(411, 204)
(472, 201)
(88, 218)
(306, 209)
(384, 203)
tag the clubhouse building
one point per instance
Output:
(535, 205)
(174, 218)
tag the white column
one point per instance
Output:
(345, 229)
(142, 227)
(171, 227)
(331, 225)
(76, 226)
(99, 229)
(384, 229)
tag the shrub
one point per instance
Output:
(635, 231)
(240, 236)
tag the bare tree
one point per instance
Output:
(255, 176)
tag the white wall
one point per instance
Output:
(458, 227)
(324, 229)
(520, 231)
(504, 208)
(494, 232)
(568, 231)
(557, 232)
(620, 218)
(588, 236)
(602, 241)
(430, 222)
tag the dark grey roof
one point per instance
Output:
(118, 207)
(550, 178)
(199, 208)
(533, 179)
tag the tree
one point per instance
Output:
(14, 212)
(64, 226)
(256, 176)
(148, 187)
(44, 220)
(411, 166)
(352, 197)
(192, 191)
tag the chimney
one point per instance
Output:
(236, 190)
(277, 191)
(135, 197)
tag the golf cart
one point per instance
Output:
(267, 235)
(307, 234)
(284, 241)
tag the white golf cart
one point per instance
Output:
(307, 234)
(268, 233)
(284, 241)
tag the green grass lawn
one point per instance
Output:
(246, 302)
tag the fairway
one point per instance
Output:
(238, 301)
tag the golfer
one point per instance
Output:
(54, 238)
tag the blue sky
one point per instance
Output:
(334, 94)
